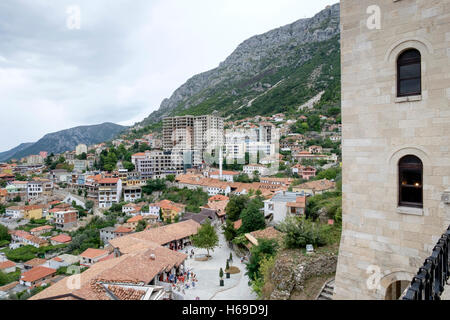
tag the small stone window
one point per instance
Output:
(410, 182)
(409, 74)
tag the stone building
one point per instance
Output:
(396, 142)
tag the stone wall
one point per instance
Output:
(289, 276)
(381, 242)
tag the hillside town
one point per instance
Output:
(124, 214)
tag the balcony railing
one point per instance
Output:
(431, 279)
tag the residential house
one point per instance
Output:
(275, 183)
(7, 266)
(304, 172)
(132, 193)
(36, 262)
(15, 212)
(79, 201)
(41, 230)
(107, 234)
(315, 187)
(109, 192)
(35, 212)
(250, 169)
(60, 239)
(34, 190)
(92, 256)
(315, 149)
(21, 238)
(170, 210)
(283, 204)
(226, 175)
(269, 233)
(66, 219)
(37, 276)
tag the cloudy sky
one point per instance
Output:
(120, 59)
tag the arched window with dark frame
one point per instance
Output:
(410, 182)
(409, 73)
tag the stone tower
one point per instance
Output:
(396, 142)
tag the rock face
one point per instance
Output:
(66, 140)
(289, 275)
(254, 60)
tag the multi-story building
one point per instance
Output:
(80, 149)
(157, 164)
(259, 142)
(34, 189)
(132, 193)
(396, 133)
(250, 169)
(66, 219)
(193, 137)
(109, 192)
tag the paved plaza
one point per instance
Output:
(207, 272)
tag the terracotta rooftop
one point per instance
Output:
(62, 238)
(42, 228)
(7, 264)
(161, 235)
(35, 262)
(37, 273)
(135, 219)
(93, 253)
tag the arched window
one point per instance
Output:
(409, 73)
(410, 182)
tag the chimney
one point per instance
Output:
(152, 255)
(117, 253)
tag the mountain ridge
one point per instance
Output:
(66, 140)
(254, 67)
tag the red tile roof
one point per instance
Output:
(7, 264)
(93, 253)
(37, 273)
(62, 238)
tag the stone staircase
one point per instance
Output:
(327, 291)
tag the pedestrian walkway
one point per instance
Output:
(207, 272)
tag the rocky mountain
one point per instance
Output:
(10, 153)
(274, 72)
(66, 140)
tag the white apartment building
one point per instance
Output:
(80, 149)
(34, 189)
(132, 193)
(109, 192)
(157, 164)
(193, 137)
(262, 140)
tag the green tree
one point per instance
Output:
(154, 185)
(128, 165)
(141, 226)
(235, 206)
(264, 249)
(170, 178)
(252, 218)
(206, 238)
(4, 235)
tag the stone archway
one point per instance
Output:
(394, 284)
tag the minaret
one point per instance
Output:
(220, 163)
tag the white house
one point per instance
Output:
(251, 168)
(15, 212)
(283, 204)
(226, 175)
(78, 200)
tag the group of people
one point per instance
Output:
(183, 282)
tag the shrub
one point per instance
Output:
(300, 232)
